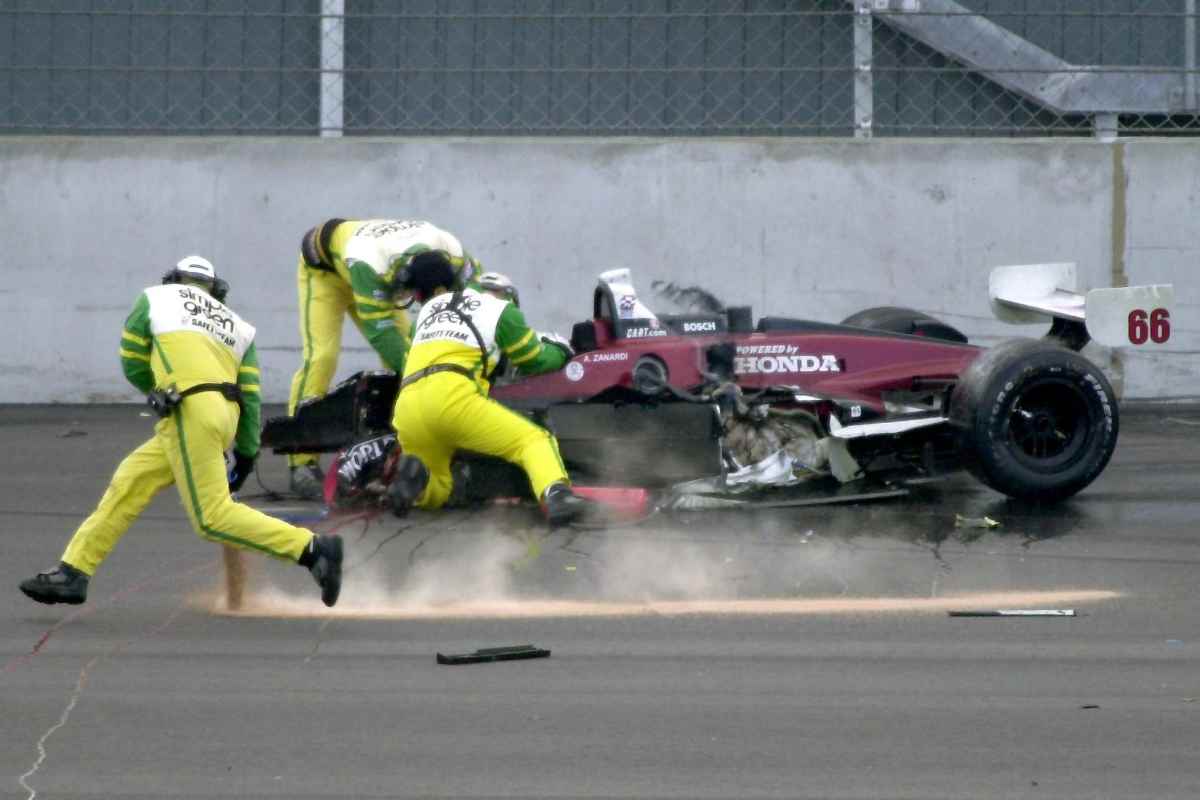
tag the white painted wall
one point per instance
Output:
(803, 227)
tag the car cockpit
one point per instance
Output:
(619, 313)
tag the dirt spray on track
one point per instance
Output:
(279, 605)
(497, 565)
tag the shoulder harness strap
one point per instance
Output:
(455, 302)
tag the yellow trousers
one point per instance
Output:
(446, 412)
(325, 300)
(187, 449)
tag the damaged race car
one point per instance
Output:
(715, 409)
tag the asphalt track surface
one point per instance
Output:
(803, 653)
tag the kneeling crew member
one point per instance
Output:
(195, 359)
(346, 267)
(443, 405)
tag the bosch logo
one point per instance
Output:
(700, 327)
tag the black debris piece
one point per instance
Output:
(487, 654)
(1016, 612)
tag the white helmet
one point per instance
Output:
(196, 267)
(200, 270)
(500, 284)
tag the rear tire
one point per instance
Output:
(904, 320)
(1036, 421)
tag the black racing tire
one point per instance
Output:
(904, 320)
(1036, 421)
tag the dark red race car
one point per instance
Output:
(717, 404)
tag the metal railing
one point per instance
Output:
(599, 67)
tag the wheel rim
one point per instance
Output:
(1049, 424)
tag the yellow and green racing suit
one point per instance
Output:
(346, 267)
(445, 411)
(179, 335)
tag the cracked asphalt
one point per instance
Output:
(805, 652)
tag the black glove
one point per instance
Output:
(242, 467)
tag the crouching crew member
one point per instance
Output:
(195, 359)
(443, 405)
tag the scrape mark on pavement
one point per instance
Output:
(77, 693)
(92, 609)
(317, 642)
(62, 720)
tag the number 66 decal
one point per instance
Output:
(1154, 325)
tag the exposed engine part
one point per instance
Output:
(752, 437)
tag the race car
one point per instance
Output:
(719, 401)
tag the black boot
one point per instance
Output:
(63, 584)
(563, 506)
(323, 558)
(411, 478)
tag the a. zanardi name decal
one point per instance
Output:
(769, 359)
(596, 358)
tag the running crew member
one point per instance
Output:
(443, 405)
(347, 266)
(195, 359)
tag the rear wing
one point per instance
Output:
(1138, 316)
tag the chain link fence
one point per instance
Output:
(599, 67)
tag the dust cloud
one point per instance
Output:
(475, 567)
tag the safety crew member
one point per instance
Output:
(443, 404)
(499, 285)
(346, 267)
(196, 361)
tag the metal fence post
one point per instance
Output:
(333, 59)
(1189, 54)
(864, 81)
(1106, 127)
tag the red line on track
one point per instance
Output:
(132, 589)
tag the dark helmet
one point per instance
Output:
(424, 273)
(198, 271)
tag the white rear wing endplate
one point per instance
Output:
(1115, 317)
(629, 305)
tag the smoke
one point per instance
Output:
(688, 299)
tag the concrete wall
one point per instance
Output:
(798, 227)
